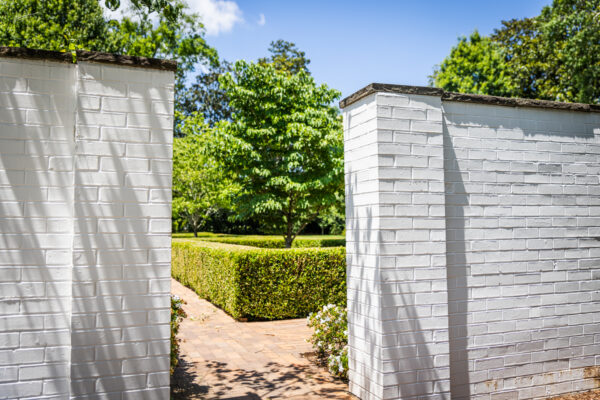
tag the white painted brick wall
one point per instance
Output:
(395, 231)
(473, 258)
(523, 265)
(85, 180)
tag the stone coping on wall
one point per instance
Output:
(466, 98)
(89, 56)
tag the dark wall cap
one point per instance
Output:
(90, 56)
(519, 102)
(466, 98)
(35, 54)
(131, 61)
(388, 88)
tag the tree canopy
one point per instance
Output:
(283, 146)
(475, 65)
(60, 25)
(285, 56)
(206, 96)
(553, 56)
(200, 189)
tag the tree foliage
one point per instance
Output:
(475, 65)
(285, 56)
(553, 56)
(163, 6)
(142, 33)
(206, 97)
(200, 189)
(333, 219)
(522, 62)
(283, 146)
(53, 24)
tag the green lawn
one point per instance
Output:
(266, 241)
(208, 235)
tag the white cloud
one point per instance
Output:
(125, 9)
(262, 20)
(218, 16)
(118, 13)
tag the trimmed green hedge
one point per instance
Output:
(270, 241)
(261, 284)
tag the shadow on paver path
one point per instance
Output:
(224, 359)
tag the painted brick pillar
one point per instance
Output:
(395, 227)
(85, 225)
(122, 244)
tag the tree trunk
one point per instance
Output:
(289, 237)
(288, 240)
(195, 230)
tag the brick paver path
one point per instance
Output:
(225, 359)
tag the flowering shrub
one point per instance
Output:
(177, 314)
(330, 338)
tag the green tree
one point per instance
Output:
(522, 62)
(142, 34)
(200, 190)
(475, 65)
(553, 56)
(333, 219)
(205, 95)
(53, 24)
(285, 56)
(556, 55)
(283, 146)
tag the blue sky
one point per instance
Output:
(352, 43)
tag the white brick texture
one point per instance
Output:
(84, 304)
(473, 250)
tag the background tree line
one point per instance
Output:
(552, 56)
